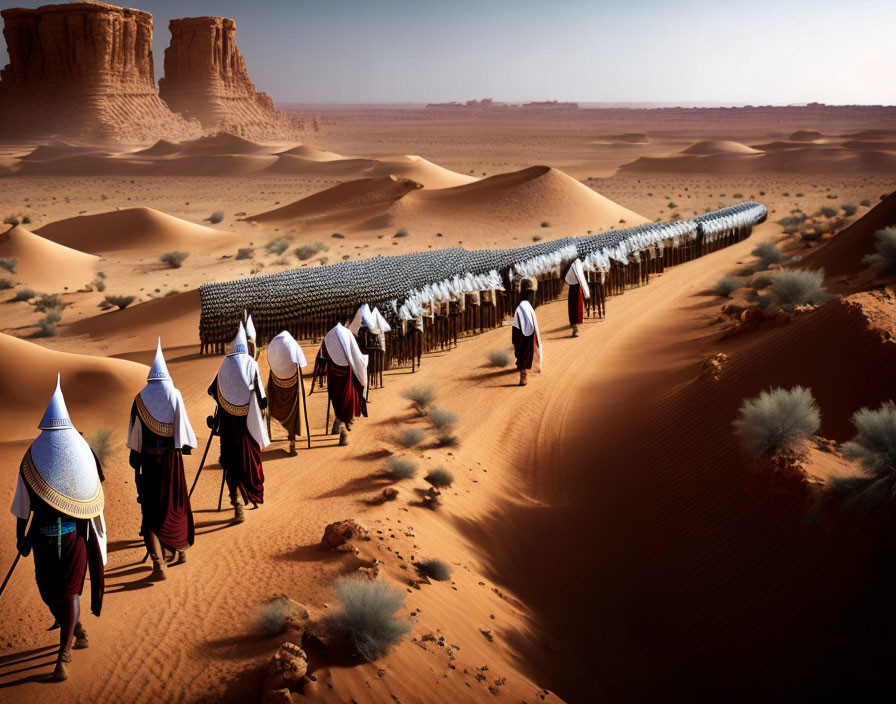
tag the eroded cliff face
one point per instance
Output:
(82, 70)
(206, 78)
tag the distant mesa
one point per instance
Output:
(82, 70)
(206, 78)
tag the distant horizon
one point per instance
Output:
(745, 52)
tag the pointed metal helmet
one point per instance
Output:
(159, 370)
(250, 328)
(240, 346)
(60, 467)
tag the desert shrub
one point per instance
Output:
(421, 397)
(798, 287)
(26, 220)
(671, 205)
(101, 443)
(6, 284)
(215, 217)
(309, 249)
(24, 294)
(827, 211)
(367, 626)
(885, 244)
(728, 285)
(874, 448)
(402, 232)
(323, 260)
(172, 292)
(47, 302)
(768, 254)
(441, 419)
(410, 437)
(865, 203)
(337, 236)
(737, 195)
(121, 302)
(434, 568)
(500, 358)
(791, 224)
(277, 245)
(99, 283)
(762, 281)
(848, 209)
(174, 258)
(47, 326)
(536, 238)
(271, 617)
(9, 263)
(245, 253)
(11, 220)
(440, 478)
(545, 223)
(400, 468)
(778, 420)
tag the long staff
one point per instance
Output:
(305, 405)
(214, 428)
(18, 555)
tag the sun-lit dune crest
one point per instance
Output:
(719, 146)
(95, 388)
(133, 228)
(44, 264)
(137, 327)
(310, 153)
(223, 143)
(58, 150)
(161, 148)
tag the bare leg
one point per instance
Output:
(70, 611)
(158, 558)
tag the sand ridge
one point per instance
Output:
(46, 265)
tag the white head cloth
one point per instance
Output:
(342, 349)
(250, 328)
(363, 316)
(526, 320)
(285, 356)
(238, 379)
(165, 404)
(576, 275)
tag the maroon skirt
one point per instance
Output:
(241, 459)
(165, 501)
(523, 348)
(575, 304)
(283, 404)
(60, 566)
(346, 393)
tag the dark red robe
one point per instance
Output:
(162, 489)
(576, 304)
(346, 392)
(283, 403)
(523, 348)
(240, 455)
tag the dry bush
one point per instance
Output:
(101, 444)
(885, 256)
(6, 284)
(777, 421)
(245, 253)
(874, 448)
(121, 302)
(410, 437)
(400, 468)
(24, 294)
(433, 568)
(768, 254)
(309, 249)
(402, 232)
(728, 285)
(367, 626)
(421, 397)
(9, 263)
(440, 478)
(48, 302)
(47, 326)
(798, 287)
(215, 217)
(277, 245)
(441, 419)
(174, 258)
(500, 358)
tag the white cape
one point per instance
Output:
(576, 275)
(342, 349)
(166, 404)
(238, 378)
(526, 320)
(285, 356)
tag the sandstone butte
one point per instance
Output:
(206, 78)
(82, 70)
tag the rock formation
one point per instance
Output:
(82, 70)
(206, 78)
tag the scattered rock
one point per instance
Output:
(285, 674)
(390, 493)
(285, 614)
(432, 498)
(338, 535)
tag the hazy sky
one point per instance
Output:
(733, 51)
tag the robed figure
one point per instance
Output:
(238, 390)
(251, 337)
(159, 434)
(526, 337)
(346, 376)
(58, 505)
(578, 292)
(286, 359)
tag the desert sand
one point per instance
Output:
(610, 540)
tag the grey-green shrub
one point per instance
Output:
(174, 258)
(440, 478)
(101, 443)
(728, 285)
(778, 420)
(421, 397)
(500, 357)
(885, 256)
(308, 250)
(874, 448)
(768, 254)
(400, 468)
(434, 568)
(121, 302)
(245, 253)
(24, 294)
(9, 263)
(277, 245)
(367, 626)
(47, 302)
(6, 284)
(410, 437)
(441, 419)
(798, 287)
(215, 217)
(47, 326)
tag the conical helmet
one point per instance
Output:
(240, 346)
(250, 328)
(156, 401)
(159, 370)
(60, 468)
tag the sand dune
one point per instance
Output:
(60, 150)
(44, 264)
(311, 153)
(161, 148)
(516, 202)
(841, 256)
(805, 136)
(134, 228)
(223, 143)
(719, 146)
(137, 327)
(93, 386)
